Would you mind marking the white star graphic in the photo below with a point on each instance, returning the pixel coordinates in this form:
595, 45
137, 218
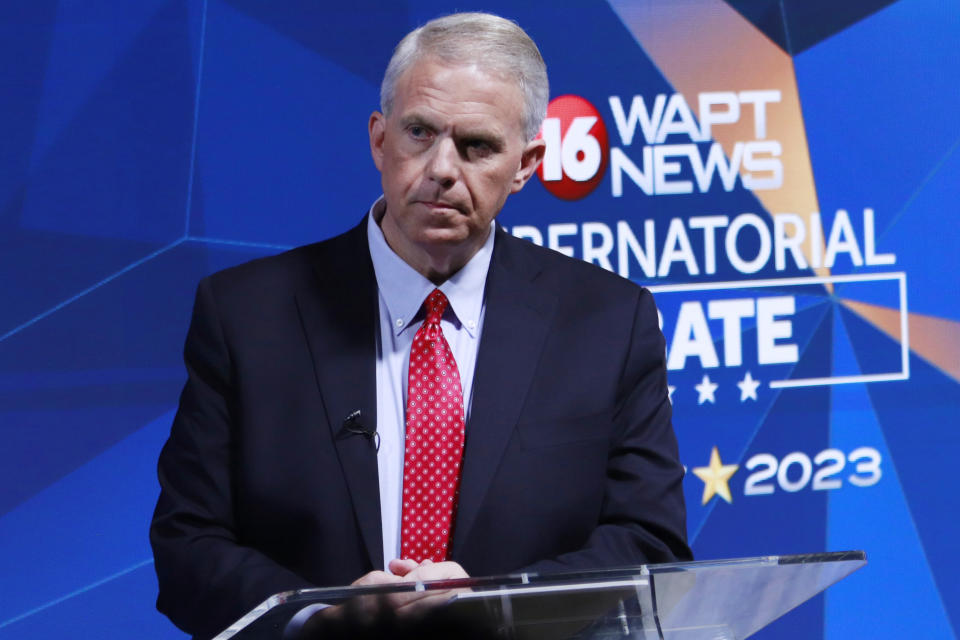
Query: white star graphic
706, 389
670, 390
748, 388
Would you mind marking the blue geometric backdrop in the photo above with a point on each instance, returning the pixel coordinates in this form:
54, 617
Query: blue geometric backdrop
149, 143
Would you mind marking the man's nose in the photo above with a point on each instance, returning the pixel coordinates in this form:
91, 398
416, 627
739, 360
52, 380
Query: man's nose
444, 162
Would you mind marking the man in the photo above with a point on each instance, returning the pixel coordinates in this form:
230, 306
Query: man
312, 448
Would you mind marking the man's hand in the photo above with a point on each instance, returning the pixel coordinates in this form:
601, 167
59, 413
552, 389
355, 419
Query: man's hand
419, 602
406, 571
410, 571
381, 615
376, 578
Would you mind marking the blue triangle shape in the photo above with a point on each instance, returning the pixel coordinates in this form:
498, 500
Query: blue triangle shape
877, 519
89, 525
844, 357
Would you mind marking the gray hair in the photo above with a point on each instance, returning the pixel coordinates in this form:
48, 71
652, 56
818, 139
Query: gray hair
493, 43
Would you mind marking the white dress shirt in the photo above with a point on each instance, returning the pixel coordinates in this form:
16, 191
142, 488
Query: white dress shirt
402, 291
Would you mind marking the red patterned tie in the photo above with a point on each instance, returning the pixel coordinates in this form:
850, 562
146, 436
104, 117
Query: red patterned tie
434, 441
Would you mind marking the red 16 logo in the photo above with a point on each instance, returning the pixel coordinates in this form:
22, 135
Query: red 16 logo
577, 148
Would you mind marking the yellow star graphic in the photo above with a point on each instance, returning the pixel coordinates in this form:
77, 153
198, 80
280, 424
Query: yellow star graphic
715, 477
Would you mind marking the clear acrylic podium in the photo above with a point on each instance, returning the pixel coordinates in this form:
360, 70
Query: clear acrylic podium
709, 600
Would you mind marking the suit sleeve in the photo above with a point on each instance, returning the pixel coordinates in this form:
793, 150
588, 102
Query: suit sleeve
207, 577
643, 517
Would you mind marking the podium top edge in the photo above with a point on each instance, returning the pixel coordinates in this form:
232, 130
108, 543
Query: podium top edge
853, 556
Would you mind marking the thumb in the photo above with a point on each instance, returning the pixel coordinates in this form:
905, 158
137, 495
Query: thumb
401, 567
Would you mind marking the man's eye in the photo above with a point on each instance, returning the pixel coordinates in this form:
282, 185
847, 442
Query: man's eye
418, 132
479, 148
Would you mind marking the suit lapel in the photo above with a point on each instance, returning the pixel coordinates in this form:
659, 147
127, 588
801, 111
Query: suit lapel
517, 317
340, 319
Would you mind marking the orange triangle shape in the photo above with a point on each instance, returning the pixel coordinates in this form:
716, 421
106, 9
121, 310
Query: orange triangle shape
936, 340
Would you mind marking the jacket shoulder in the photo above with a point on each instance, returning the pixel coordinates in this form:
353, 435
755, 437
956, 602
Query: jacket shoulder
288, 271
567, 275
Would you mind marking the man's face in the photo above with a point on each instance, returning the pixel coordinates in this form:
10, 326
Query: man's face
449, 154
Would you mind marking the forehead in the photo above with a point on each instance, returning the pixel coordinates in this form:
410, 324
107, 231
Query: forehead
456, 95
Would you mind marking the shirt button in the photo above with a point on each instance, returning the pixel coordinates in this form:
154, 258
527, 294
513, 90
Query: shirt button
472, 324
399, 322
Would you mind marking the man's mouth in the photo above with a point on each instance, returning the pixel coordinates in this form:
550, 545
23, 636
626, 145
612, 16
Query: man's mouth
440, 206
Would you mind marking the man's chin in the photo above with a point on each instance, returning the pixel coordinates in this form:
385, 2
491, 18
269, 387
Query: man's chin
444, 237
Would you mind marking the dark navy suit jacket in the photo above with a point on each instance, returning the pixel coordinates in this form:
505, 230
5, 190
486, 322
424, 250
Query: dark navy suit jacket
570, 460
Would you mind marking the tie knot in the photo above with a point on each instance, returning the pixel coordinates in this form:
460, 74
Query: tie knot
436, 304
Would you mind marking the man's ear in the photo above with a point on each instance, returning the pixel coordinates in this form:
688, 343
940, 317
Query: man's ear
529, 161
377, 128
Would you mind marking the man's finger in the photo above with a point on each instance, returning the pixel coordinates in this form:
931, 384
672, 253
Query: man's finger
436, 571
401, 567
375, 577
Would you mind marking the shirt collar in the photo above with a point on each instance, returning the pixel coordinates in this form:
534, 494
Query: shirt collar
404, 289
